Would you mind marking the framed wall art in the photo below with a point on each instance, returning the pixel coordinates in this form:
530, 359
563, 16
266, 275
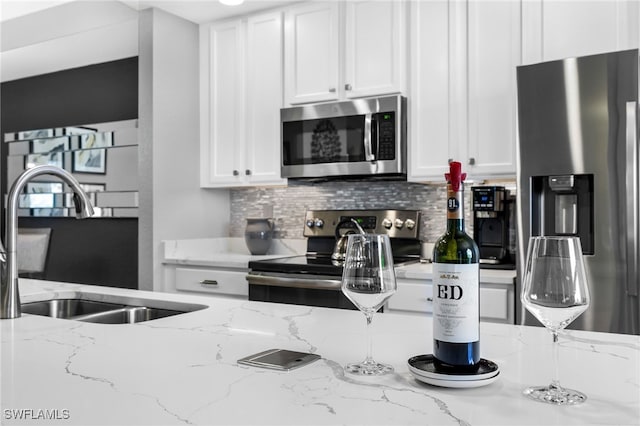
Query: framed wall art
47, 151
91, 157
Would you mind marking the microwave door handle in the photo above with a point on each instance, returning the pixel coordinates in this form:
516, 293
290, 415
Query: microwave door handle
375, 137
368, 149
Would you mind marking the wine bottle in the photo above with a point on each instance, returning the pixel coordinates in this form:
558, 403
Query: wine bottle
456, 285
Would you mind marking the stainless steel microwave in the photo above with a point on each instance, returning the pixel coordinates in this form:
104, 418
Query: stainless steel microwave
357, 138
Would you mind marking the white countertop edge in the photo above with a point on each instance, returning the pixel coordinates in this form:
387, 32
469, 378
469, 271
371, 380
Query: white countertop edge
226, 252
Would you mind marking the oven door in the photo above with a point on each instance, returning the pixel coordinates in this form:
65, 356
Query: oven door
298, 289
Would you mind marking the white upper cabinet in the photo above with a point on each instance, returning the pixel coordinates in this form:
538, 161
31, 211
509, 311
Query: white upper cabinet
493, 53
241, 97
375, 49
462, 104
337, 50
312, 52
557, 29
462, 70
464, 54
220, 102
428, 101
264, 99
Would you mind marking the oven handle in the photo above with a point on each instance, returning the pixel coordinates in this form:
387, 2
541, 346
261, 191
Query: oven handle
320, 284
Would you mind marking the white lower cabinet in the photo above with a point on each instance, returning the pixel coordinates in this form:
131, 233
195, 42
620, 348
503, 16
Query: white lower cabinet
412, 296
416, 296
219, 282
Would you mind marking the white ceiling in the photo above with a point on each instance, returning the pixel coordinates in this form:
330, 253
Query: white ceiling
197, 11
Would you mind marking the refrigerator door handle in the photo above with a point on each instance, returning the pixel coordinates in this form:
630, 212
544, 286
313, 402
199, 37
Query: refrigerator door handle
633, 232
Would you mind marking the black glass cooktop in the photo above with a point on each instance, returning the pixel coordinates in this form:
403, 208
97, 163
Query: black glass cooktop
308, 264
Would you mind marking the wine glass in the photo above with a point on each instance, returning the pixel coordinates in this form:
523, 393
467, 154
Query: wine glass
368, 280
555, 291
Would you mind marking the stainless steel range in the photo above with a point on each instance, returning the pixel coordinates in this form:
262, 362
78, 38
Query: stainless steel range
314, 279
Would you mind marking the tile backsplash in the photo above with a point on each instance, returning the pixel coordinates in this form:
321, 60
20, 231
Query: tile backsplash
289, 204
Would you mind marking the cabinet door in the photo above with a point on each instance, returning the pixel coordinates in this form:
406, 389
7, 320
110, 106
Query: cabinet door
495, 306
428, 104
221, 104
264, 98
493, 54
375, 47
312, 52
557, 29
463, 103
416, 296
412, 296
212, 281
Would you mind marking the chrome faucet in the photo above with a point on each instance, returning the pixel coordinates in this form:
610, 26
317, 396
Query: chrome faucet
9, 295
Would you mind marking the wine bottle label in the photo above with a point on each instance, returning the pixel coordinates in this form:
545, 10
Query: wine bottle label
456, 307
454, 203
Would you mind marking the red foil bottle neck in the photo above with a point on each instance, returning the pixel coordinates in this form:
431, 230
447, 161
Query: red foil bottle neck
455, 176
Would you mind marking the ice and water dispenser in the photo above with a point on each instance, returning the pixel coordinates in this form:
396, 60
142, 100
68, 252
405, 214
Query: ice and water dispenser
563, 205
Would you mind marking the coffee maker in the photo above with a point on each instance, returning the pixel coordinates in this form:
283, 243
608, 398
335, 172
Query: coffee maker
493, 226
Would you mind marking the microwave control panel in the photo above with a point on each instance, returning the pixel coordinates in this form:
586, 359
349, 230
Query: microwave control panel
385, 124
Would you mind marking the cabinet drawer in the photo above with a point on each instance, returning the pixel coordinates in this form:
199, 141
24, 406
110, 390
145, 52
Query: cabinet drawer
414, 297
418, 297
494, 303
212, 281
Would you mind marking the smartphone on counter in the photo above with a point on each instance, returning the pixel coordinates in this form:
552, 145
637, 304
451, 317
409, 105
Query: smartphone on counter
279, 359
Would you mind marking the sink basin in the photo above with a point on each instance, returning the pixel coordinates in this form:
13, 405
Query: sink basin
108, 309
128, 315
67, 308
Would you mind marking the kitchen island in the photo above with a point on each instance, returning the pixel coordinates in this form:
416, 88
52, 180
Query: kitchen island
183, 370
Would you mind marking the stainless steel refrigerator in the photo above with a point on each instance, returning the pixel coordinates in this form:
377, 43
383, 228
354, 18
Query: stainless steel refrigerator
578, 175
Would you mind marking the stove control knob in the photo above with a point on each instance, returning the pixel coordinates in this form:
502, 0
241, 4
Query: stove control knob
399, 223
410, 223
387, 223
319, 223
310, 223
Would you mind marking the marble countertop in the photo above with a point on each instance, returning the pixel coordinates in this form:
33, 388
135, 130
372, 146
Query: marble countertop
225, 252
183, 369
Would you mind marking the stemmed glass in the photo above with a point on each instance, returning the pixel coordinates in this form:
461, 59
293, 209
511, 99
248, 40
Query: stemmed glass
555, 291
368, 280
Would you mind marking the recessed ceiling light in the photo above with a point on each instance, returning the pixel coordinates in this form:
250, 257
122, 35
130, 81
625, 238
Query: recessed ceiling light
231, 2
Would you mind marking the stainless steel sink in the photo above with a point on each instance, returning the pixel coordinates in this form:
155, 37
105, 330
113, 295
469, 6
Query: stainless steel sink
128, 315
67, 308
108, 309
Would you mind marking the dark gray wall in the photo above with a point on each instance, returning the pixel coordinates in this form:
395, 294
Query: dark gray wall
95, 251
